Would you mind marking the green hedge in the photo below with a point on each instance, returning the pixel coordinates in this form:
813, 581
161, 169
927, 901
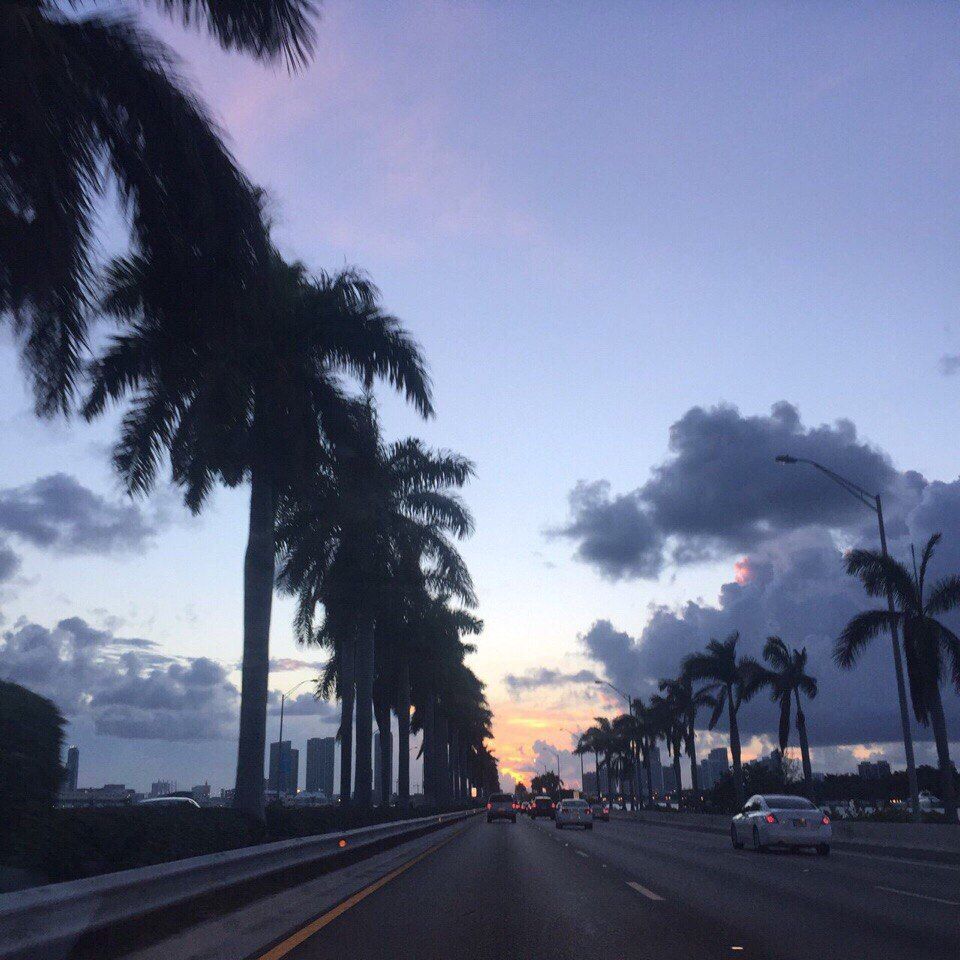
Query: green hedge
69, 844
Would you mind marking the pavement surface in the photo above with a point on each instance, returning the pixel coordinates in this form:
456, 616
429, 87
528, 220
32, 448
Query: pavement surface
623, 890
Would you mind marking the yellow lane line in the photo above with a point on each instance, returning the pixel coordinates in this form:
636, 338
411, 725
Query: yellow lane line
304, 933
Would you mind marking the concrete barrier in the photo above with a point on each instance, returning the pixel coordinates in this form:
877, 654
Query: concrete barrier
939, 842
34, 921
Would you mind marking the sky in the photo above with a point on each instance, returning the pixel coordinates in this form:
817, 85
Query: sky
644, 246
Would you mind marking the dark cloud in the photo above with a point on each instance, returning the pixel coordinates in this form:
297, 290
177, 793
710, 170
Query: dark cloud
545, 677
720, 491
304, 705
59, 513
949, 364
796, 589
125, 687
9, 563
614, 534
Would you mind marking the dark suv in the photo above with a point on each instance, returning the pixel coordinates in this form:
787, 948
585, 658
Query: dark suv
501, 806
542, 806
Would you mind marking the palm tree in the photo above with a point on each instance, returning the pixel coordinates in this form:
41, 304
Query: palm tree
91, 96
927, 641
352, 544
735, 680
787, 679
671, 720
604, 742
256, 403
688, 701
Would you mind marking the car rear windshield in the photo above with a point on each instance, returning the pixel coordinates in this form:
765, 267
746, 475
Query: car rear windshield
501, 798
789, 803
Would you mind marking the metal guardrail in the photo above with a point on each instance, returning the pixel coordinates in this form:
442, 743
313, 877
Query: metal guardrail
34, 920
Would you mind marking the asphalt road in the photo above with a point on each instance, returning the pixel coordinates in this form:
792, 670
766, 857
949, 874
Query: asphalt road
628, 890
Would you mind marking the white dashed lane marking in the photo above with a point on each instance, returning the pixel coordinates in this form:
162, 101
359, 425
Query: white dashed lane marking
649, 894
580, 853
919, 896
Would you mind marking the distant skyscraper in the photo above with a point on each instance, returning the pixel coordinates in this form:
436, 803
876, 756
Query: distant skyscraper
656, 773
73, 768
669, 780
160, 788
283, 755
320, 759
712, 769
873, 771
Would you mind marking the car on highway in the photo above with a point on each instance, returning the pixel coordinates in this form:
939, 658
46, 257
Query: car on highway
601, 810
501, 806
542, 806
574, 813
182, 803
772, 820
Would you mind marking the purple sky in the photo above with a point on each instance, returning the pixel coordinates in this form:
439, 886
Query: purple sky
594, 217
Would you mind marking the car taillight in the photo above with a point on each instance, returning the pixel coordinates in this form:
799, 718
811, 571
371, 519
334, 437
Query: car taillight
825, 821
553, 806
489, 806
606, 809
770, 818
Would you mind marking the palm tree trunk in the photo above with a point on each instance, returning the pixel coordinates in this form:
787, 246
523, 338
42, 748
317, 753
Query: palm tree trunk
429, 749
735, 751
258, 576
363, 783
692, 754
381, 711
346, 685
403, 737
676, 772
804, 748
939, 724
443, 763
648, 769
596, 767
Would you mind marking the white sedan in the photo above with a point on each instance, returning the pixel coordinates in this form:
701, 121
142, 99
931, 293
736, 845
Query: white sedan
771, 820
574, 813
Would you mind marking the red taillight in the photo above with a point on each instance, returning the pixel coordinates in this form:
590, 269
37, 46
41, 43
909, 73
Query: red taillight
825, 821
489, 806
606, 809
553, 806
770, 818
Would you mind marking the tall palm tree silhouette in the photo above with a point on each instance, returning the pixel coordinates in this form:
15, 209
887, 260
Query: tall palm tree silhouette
787, 679
930, 646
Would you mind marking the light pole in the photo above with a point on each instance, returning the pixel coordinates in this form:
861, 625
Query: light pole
872, 502
283, 698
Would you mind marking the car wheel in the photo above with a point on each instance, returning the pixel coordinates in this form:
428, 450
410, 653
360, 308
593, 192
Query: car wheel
588, 826
559, 826
757, 845
737, 844
513, 819
823, 849
489, 819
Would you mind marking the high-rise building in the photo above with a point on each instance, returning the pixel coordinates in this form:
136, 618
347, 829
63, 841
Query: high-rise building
73, 767
320, 760
160, 788
873, 771
656, 773
669, 780
284, 768
712, 768
201, 793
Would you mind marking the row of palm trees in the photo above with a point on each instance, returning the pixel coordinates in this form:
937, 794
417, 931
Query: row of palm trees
236, 367
721, 680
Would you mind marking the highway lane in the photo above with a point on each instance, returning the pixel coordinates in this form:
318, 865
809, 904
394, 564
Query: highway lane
502, 891
628, 890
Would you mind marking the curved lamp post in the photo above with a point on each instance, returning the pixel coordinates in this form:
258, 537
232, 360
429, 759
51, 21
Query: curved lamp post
283, 698
872, 502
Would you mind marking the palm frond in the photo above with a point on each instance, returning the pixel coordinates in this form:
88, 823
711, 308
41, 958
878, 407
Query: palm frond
861, 629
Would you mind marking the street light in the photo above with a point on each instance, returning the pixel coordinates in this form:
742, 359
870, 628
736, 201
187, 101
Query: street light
872, 502
283, 698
